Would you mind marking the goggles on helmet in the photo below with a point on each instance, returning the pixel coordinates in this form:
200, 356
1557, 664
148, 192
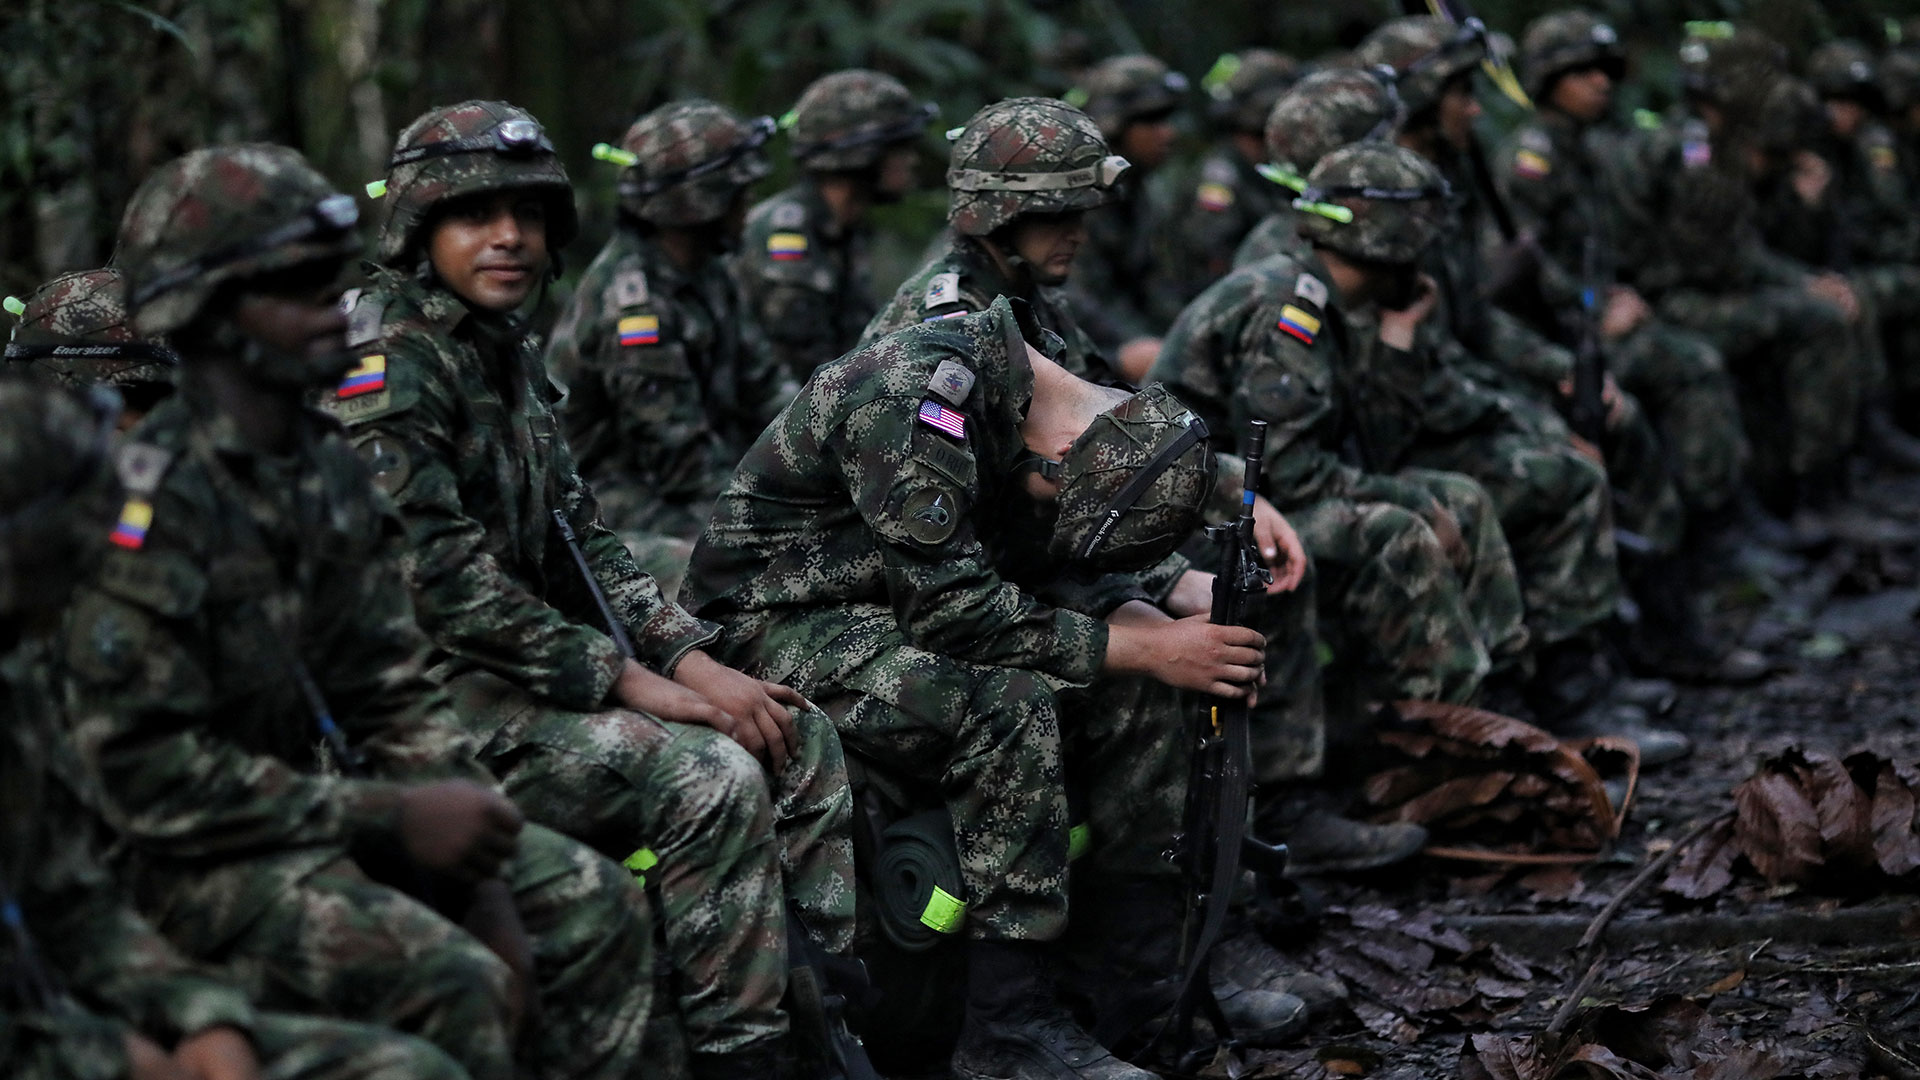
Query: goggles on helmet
905, 129
330, 218
759, 130
1104, 173
512, 138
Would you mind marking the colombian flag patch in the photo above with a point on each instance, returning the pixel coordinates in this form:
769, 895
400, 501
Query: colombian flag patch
1529, 165
371, 375
131, 532
640, 330
1213, 197
787, 246
1299, 323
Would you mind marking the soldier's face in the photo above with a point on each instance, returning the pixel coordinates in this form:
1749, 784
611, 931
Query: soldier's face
1458, 110
1048, 243
1844, 116
1584, 94
1148, 143
491, 248
897, 170
296, 313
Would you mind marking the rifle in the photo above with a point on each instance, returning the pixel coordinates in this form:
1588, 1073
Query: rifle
818, 983
1213, 836
34, 984
1588, 414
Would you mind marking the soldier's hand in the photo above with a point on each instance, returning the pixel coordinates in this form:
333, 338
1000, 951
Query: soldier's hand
1835, 290
1810, 175
1398, 325
459, 828
763, 711
146, 1060
495, 921
1137, 358
1625, 312
1446, 529
1279, 546
1194, 654
219, 1053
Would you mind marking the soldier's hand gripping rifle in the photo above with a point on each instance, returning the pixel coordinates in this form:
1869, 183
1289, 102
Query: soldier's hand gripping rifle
817, 982
1213, 831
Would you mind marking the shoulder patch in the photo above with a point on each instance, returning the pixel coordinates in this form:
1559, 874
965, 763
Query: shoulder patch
364, 394
367, 377
941, 418
1311, 289
141, 467
788, 215
1299, 323
951, 381
787, 246
629, 288
1536, 140
943, 289
1531, 164
386, 457
1218, 170
136, 516
1213, 197
363, 317
933, 513
639, 330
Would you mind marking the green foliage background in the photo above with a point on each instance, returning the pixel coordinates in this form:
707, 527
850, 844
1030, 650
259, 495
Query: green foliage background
95, 93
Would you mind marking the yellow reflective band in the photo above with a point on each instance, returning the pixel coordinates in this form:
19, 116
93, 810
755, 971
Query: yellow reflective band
1076, 97
944, 911
1079, 841
1330, 211
1214, 82
14, 305
1709, 28
791, 118
639, 863
1282, 175
610, 153
377, 189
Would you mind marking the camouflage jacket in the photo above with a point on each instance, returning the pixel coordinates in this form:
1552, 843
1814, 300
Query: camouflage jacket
808, 279
885, 483
1557, 187
1276, 234
79, 919
1219, 210
462, 434
1272, 342
961, 279
668, 379
1118, 291
1875, 205
234, 574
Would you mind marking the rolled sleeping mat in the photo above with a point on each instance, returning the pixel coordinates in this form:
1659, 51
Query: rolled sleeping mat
916, 882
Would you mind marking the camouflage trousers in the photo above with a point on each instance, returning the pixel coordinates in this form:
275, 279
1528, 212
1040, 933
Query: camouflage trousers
1795, 365
696, 816
1682, 382
1408, 614
659, 533
1288, 724
338, 942
1555, 508
81, 1046
997, 745
1890, 300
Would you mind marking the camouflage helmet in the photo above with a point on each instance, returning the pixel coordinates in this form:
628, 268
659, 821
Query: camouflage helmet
1322, 113
74, 328
56, 490
1725, 65
1844, 69
1567, 41
1374, 201
465, 149
691, 160
1425, 52
1122, 89
1791, 118
1900, 79
1132, 485
1028, 156
1242, 87
222, 215
849, 120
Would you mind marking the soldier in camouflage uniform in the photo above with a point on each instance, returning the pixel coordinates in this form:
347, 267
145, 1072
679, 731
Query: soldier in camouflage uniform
1559, 181
1320, 114
1689, 238
805, 262
250, 611
1229, 196
881, 548
668, 377
73, 330
1121, 289
625, 748
97, 992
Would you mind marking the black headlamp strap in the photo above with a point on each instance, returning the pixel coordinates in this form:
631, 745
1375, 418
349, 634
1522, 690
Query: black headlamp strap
1137, 485
759, 130
103, 350
512, 137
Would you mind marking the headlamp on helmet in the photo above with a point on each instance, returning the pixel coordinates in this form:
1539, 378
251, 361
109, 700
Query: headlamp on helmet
510, 138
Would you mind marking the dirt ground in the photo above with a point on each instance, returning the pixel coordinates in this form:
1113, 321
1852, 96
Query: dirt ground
1810, 974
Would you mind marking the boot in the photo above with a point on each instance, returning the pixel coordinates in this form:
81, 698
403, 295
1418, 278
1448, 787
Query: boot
1658, 745
1249, 961
1259, 1018
1016, 1028
1572, 695
1322, 843
1886, 443
1672, 640
764, 1060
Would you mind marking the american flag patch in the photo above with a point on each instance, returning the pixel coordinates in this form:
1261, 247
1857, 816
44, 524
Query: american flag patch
947, 420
